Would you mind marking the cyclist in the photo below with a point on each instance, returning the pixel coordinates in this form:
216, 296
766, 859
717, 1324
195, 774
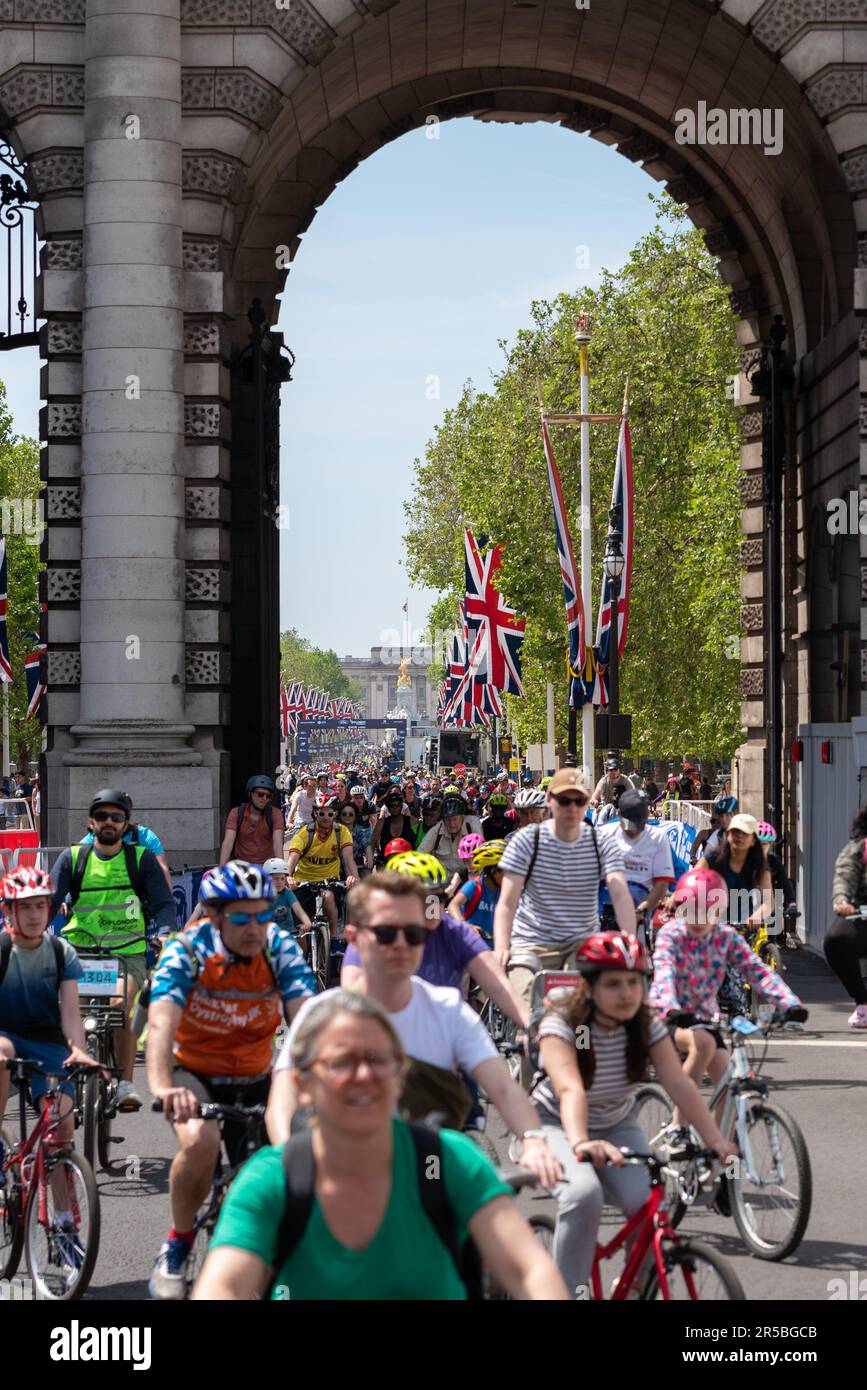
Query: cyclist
476, 900
707, 840
741, 861
316, 854
113, 887
613, 777
218, 995
781, 883
692, 956
363, 808
393, 823
254, 831
495, 826
140, 835
846, 938
531, 808
40, 1018
361, 836
301, 806
443, 840
646, 852
440, 1033
286, 911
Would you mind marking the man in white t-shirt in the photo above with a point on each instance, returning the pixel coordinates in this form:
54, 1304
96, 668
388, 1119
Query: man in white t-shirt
435, 1025
647, 860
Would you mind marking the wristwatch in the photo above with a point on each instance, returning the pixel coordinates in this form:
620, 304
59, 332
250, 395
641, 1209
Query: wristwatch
533, 1134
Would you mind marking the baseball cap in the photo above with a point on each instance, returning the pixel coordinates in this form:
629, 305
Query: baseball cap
633, 806
568, 779
748, 824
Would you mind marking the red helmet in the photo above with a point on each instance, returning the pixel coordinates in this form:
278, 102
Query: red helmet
398, 846
699, 890
608, 950
26, 883
326, 800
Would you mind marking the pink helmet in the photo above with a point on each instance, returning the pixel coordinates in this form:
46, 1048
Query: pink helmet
766, 832
26, 883
469, 844
699, 890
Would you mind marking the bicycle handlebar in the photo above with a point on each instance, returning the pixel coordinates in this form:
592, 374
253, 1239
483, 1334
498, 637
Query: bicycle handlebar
119, 940
28, 1066
213, 1110
684, 1018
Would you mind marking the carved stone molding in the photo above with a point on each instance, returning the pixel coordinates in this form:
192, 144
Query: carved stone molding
201, 339
585, 117
52, 173
63, 503
722, 241
203, 584
205, 667
51, 11
752, 681
687, 188
752, 488
64, 419
211, 173
751, 424
862, 337
783, 18
64, 253
25, 89
230, 89
201, 255
298, 25
744, 302
836, 88
63, 585
63, 668
752, 616
855, 173
752, 552
215, 11
202, 503
864, 667
202, 421
642, 147
64, 337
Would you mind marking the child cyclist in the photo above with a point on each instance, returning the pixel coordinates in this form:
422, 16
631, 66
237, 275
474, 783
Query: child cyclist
690, 959
476, 900
594, 1049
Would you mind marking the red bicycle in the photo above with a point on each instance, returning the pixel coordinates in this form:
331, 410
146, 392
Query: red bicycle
682, 1269
49, 1204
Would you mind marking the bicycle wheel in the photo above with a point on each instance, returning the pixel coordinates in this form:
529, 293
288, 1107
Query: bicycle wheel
105, 1122
320, 955
652, 1112
772, 1212
61, 1263
11, 1226
89, 1113
202, 1232
695, 1271
488, 1148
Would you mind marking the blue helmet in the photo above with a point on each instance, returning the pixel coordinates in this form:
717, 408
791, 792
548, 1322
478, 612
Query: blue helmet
725, 805
236, 881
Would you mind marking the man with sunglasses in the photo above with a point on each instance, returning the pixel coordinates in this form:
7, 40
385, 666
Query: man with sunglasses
316, 854
254, 832
114, 888
218, 995
549, 900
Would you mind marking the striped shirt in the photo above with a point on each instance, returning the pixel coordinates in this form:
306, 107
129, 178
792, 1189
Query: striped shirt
561, 901
612, 1095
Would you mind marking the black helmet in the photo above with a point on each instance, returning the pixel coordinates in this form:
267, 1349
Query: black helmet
110, 796
261, 780
633, 806
454, 806
612, 761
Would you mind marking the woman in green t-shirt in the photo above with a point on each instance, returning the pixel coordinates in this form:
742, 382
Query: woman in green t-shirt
368, 1236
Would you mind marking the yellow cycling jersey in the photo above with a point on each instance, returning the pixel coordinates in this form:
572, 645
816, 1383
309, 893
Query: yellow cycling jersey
322, 860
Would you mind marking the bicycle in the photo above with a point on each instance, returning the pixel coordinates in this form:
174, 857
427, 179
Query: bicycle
319, 934
253, 1119
769, 954
34, 1168
762, 1185
102, 995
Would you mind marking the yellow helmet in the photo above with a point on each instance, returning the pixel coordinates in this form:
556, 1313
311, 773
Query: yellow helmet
425, 867
488, 856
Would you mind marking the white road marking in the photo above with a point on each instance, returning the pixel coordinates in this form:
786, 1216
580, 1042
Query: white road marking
813, 1042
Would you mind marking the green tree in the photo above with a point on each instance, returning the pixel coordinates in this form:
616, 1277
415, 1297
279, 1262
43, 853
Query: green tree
301, 661
663, 321
20, 519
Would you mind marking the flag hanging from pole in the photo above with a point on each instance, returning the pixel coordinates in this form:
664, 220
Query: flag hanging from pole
32, 674
580, 661
485, 607
622, 498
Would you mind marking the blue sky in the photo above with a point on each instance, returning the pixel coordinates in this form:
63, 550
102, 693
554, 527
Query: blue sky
417, 264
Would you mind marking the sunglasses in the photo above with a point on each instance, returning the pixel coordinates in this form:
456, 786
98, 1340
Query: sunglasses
571, 800
329, 815
116, 817
241, 919
386, 936
345, 1064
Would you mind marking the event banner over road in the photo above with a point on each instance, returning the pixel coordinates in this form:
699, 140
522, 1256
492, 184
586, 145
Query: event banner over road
309, 731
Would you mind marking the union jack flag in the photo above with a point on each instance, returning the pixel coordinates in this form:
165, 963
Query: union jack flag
580, 679
622, 499
5, 668
32, 674
486, 607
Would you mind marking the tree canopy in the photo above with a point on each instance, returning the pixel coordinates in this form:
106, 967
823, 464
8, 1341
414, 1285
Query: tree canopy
20, 519
301, 661
664, 322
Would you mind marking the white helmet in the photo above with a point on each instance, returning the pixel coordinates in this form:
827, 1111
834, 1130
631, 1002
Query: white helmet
275, 866
530, 798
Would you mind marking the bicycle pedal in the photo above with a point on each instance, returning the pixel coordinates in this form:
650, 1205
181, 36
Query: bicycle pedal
116, 1139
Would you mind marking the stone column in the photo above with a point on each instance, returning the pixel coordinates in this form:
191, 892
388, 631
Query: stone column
131, 728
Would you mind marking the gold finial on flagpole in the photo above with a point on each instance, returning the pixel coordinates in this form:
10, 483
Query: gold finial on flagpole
625, 411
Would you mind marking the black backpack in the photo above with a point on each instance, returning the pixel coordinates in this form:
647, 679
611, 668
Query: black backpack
299, 1175
133, 873
6, 944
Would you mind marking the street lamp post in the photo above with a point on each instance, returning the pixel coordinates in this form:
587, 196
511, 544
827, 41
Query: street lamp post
615, 563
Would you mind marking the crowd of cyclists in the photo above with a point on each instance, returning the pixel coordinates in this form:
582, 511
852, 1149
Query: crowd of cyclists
447, 898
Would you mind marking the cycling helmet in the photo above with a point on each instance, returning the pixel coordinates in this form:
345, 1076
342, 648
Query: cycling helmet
700, 889
324, 801
397, 846
608, 950
239, 880
454, 806
452, 789
611, 762
275, 866
767, 833
469, 844
545, 783
207, 892
23, 883
498, 799
431, 803
257, 783
110, 796
488, 856
530, 798
725, 805
357, 791
425, 867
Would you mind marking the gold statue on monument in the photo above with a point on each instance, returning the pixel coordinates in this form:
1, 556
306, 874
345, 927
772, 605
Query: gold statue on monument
404, 681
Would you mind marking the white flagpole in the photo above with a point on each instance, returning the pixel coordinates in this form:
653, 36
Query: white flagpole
5, 728
588, 738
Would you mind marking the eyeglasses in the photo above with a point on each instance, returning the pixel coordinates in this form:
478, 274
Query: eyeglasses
571, 800
329, 815
343, 1065
261, 791
347, 816
240, 919
116, 817
386, 936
